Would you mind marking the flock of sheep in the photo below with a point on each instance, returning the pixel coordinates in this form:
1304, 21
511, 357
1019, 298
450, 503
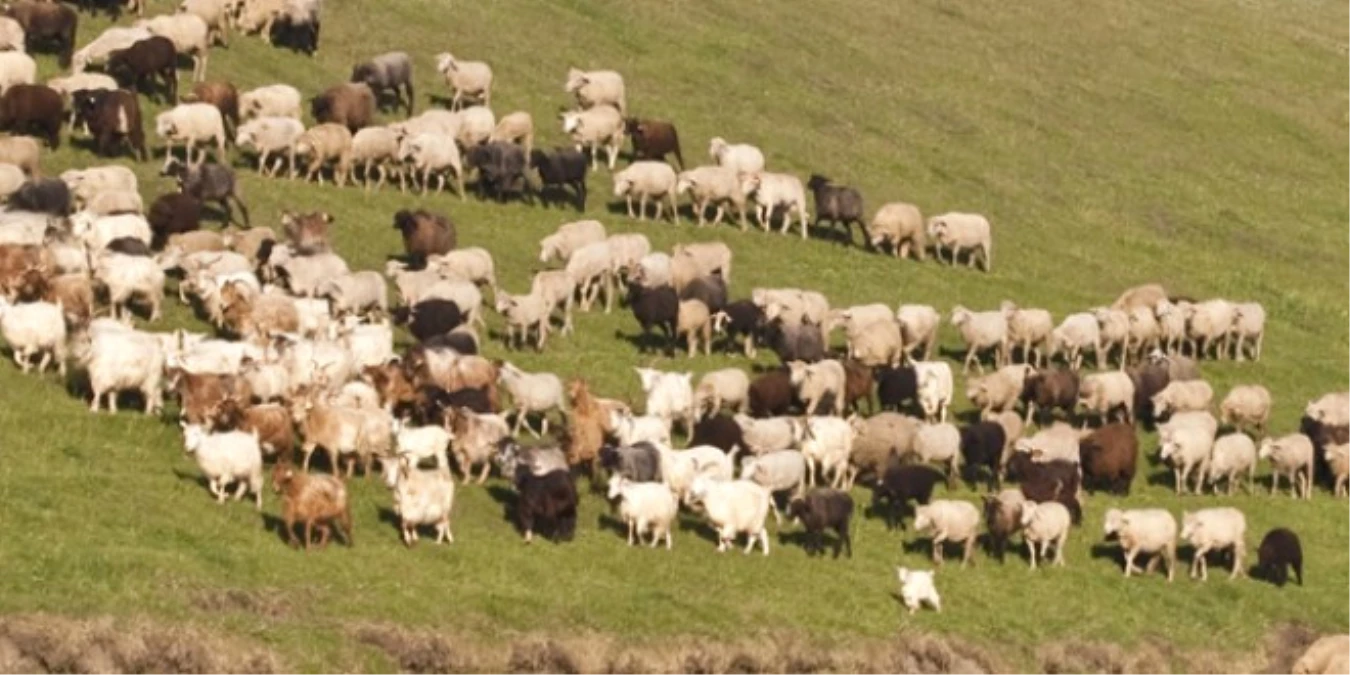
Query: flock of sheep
304, 357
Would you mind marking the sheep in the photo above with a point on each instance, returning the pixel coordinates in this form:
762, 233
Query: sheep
1003, 518
469, 80
314, 499
413, 444
1280, 549
645, 507
473, 264
815, 382
476, 436
1331, 410
273, 100
120, 360
823, 508
421, 498
959, 232
648, 179
1338, 459
1191, 395
356, 293
374, 149
710, 258
192, 123
734, 507
33, 109
128, 276
16, 68
878, 343
712, 185
728, 386
1104, 393
34, 328
270, 136
531, 392
1151, 531
109, 41
828, 442
190, 35
591, 269
391, 71
433, 153
1249, 330
321, 144
980, 331
570, 237
596, 128
1247, 404
1045, 523
917, 588
773, 190
939, 444
1030, 329
1232, 454
630, 429
1109, 456
553, 289
1000, 390
777, 471
901, 226
670, 396
106, 203
225, 458
215, 13
1202, 421
741, 158
933, 380
558, 170
1215, 529
305, 274
880, 438
1171, 326
919, 329
741, 319
949, 521
1074, 335
11, 35
1290, 455
762, 436
1210, 324
96, 232
1186, 449
1327, 655
21, 151
983, 444
596, 88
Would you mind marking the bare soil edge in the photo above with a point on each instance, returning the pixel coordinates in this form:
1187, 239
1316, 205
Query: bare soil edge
45, 643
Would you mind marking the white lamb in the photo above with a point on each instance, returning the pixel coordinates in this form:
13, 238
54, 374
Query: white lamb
734, 507
645, 507
225, 458
917, 588
32, 328
1044, 524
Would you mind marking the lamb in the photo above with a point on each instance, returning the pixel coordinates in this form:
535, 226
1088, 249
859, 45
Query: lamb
128, 277
815, 382
1280, 549
1290, 455
190, 35
1186, 449
1151, 531
917, 588
321, 144
899, 225
949, 521
933, 380
741, 158
645, 507
734, 507
469, 80
959, 232
570, 237
1045, 523
190, 124
940, 444
827, 442
422, 498
1191, 395
1074, 335
1104, 393
119, 360
771, 191
728, 386
1249, 330
433, 153
919, 328
596, 128
313, 499
1246, 405
712, 185
531, 392
596, 88
980, 331
821, 509
273, 100
1232, 454
1030, 329
34, 328
1215, 529
648, 179
670, 396
225, 458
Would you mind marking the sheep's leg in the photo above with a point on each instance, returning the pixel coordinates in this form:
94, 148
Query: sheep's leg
1129, 562
1274, 482
1031, 549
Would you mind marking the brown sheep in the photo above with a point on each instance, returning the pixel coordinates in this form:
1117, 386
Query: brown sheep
223, 96
424, 234
1048, 389
1109, 456
34, 110
312, 499
586, 428
1003, 518
771, 394
307, 232
47, 23
858, 385
351, 104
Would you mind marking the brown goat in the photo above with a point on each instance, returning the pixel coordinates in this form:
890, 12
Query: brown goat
15, 261
452, 371
200, 394
75, 293
392, 383
272, 423
250, 314
315, 500
307, 232
424, 234
586, 427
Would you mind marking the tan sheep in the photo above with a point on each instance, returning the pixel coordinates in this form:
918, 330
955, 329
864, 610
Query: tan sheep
321, 144
1247, 404
694, 323
899, 225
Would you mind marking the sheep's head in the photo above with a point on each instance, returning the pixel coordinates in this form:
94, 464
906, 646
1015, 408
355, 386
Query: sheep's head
193, 435
617, 484
750, 182
283, 475
959, 315
716, 148
1161, 403
797, 372
571, 122
923, 518
648, 377
1113, 523
1266, 449
576, 79
684, 183
622, 185
1191, 525
1169, 448
445, 62
1028, 513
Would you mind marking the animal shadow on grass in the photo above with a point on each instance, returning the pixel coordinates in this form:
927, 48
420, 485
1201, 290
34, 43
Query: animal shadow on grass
648, 343
274, 523
801, 539
1164, 479
607, 521
696, 525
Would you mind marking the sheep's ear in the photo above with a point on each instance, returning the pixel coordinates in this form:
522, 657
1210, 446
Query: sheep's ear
329, 218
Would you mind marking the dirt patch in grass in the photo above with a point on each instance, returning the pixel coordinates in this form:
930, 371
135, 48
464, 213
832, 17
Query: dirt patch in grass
49, 644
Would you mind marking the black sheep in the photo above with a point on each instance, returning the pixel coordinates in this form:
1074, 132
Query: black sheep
136, 67
658, 307
822, 509
43, 195
982, 446
896, 386
743, 320
797, 342
175, 213
1055, 481
1280, 549
899, 485
389, 72
719, 431
430, 318
640, 462
711, 290
209, 182
841, 205
562, 169
548, 500
501, 170
771, 394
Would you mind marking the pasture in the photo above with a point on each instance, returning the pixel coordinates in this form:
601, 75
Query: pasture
1199, 145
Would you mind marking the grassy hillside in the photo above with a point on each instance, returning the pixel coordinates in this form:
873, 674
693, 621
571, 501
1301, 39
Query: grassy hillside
1200, 145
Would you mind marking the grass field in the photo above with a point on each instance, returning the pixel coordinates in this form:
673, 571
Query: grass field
1200, 145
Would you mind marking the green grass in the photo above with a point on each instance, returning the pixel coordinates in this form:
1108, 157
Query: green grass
1200, 145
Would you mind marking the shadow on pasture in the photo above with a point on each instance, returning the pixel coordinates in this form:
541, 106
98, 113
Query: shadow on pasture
612, 523
648, 343
196, 478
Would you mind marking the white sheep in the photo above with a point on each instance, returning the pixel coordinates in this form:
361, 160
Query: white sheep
432, 153
273, 100
917, 588
715, 186
531, 392
919, 326
827, 442
654, 270
596, 89
11, 179
959, 232
518, 128
227, 457
741, 158
1338, 457
771, 191
726, 387
680, 468
419, 443
645, 507
570, 237
190, 36
1076, 334
596, 128
96, 231
627, 250
630, 429
1210, 324
369, 344
816, 381
11, 35
1183, 396
1030, 329
734, 507
374, 149
670, 396
1000, 390
1055, 443
110, 40
1232, 454
1246, 405
473, 264
476, 124
16, 68
949, 520
467, 79
422, 498
934, 383
1187, 449
1151, 531
85, 184
555, 289
762, 436
1045, 523
647, 179
1249, 330
708, 257
269, 136
1104, 393
321, 144
1292, 456
1215, 529
980, 331
591, 268
777, 471
105, 203
190, 124
523, 313
356, 293
213, 12
1171, 326
1201, 420
1331, 409
32, 328
939, 444
899, 225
